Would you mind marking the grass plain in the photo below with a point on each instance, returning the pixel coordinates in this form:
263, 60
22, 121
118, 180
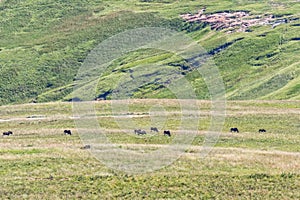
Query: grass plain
39, 161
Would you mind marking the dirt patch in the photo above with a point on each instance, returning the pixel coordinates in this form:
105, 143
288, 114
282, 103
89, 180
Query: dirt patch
239, 21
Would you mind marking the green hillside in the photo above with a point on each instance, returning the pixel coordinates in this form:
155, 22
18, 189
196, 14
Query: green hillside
43, 43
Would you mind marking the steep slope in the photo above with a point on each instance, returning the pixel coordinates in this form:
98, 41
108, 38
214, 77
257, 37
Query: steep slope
43, 43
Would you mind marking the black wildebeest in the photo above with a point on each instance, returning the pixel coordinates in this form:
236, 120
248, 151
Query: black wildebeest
154, 129
8, 133
262, 130
67, 132
139, 132
234, 130
86, 147
168, 133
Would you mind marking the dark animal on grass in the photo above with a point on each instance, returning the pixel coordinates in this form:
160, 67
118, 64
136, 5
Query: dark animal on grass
139, 132
262, 130
168, 133
7, 133
86, 147
154, 129
235, 130
67, 132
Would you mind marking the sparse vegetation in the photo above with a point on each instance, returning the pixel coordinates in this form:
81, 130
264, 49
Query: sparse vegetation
39, 161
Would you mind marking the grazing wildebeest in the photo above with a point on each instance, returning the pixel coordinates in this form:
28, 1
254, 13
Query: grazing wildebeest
154, 129
67, 132
262, 130
8, 133
168, 133
86, 147
139, 132
234, 130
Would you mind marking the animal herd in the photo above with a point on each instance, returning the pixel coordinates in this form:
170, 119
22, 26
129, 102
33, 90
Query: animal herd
143, 132
7, 133
236, 130
154, 129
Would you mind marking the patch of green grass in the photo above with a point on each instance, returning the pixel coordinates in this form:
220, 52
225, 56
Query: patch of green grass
22, 152
54, 42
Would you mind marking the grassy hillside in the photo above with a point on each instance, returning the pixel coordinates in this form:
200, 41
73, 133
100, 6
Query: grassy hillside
43, 44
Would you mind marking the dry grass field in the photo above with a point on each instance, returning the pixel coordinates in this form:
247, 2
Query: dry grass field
39, 161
